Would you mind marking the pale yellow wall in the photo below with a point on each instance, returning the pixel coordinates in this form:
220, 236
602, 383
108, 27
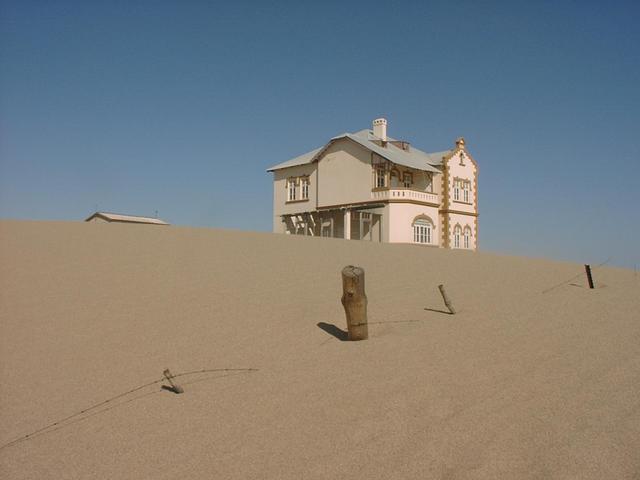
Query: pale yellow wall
344, 174
400, 221
280, 204
466, 172
463, 221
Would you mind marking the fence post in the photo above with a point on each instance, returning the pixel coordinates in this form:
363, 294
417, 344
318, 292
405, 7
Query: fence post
447, 300
174, 386
587, 268
354, 301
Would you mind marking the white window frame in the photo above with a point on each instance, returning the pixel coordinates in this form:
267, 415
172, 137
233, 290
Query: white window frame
456, 190
457, 233
423, 232
304, 188
291, 189
407, 179
381, 176
467, 236
466, 190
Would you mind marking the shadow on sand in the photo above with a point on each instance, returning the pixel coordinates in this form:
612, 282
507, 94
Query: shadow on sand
335, 331
438, 311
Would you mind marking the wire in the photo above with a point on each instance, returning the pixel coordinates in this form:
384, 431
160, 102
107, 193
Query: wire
573, 278
120, 395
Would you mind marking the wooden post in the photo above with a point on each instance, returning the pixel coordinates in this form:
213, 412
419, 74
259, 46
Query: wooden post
447, 300
354, 301
174, 386
587, 268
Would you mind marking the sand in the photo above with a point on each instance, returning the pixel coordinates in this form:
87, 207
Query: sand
518, 384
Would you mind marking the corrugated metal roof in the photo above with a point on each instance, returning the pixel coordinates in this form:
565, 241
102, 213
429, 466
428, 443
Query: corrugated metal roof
118, 217
413, 158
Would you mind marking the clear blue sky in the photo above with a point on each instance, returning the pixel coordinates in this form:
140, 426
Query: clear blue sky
179, 106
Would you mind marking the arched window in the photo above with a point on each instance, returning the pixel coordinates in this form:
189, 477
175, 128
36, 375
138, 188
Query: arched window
457, 233
422, 231
467, 236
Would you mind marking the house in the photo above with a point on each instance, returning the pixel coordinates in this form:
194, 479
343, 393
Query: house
106, 217
368, 186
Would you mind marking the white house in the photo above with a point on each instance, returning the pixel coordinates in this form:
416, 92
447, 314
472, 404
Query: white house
368, 186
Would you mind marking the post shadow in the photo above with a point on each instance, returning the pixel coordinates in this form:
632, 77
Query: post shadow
438, 311
335, 331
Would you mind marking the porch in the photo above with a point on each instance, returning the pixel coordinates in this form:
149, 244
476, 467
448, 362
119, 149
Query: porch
347, 223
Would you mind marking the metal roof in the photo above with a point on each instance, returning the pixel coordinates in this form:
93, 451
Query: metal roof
413, 158
118, 217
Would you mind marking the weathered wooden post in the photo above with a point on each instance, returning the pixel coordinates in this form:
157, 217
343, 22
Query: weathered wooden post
354, 301
447, 300
174, 386
587, 268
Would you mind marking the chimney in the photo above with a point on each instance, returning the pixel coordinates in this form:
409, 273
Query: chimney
380, 128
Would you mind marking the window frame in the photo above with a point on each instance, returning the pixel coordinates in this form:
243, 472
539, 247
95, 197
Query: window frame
304, 188
423, 231
291, 189
405, 176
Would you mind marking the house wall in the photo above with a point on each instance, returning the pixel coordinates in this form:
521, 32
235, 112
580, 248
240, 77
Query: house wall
463, 221
400, 219
466, 172
449, 219
280, 204
344, 174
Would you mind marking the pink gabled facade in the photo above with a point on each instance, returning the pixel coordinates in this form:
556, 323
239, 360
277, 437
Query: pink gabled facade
368, 186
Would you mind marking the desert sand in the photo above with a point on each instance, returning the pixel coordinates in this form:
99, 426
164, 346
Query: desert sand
536, 376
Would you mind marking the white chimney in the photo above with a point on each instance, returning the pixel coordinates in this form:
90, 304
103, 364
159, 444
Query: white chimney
380, 128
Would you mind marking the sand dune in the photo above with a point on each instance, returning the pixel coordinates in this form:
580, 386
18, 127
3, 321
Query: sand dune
518, 384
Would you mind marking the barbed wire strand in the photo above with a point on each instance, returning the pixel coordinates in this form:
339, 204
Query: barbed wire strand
573, 278
120, 395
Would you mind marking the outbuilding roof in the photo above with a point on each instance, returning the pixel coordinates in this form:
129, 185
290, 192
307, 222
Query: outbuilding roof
412, 157
119, 217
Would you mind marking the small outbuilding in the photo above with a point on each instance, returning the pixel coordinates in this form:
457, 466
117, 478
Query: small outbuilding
107, 217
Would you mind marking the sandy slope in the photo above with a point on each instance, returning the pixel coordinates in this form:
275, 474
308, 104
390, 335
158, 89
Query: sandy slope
519, 384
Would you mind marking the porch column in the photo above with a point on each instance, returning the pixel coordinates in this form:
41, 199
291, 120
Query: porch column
347, 224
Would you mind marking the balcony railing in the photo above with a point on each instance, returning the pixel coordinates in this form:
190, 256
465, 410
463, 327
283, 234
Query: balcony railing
404, 194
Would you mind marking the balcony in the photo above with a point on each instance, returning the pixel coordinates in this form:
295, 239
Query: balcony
404, 194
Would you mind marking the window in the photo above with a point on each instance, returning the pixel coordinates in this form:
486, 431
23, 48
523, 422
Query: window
457, 232
465, 186
462, 158
467, 236
304, 188
429, 180
381, 181
456, 190
407, 179
291, 189
422, 231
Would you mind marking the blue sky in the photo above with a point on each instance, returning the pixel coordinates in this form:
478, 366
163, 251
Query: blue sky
180, 106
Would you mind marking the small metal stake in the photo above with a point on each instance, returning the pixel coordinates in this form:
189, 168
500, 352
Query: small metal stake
174, 386
587, 269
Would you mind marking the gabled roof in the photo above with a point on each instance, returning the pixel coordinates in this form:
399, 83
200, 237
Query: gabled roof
413, 158
118, 217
